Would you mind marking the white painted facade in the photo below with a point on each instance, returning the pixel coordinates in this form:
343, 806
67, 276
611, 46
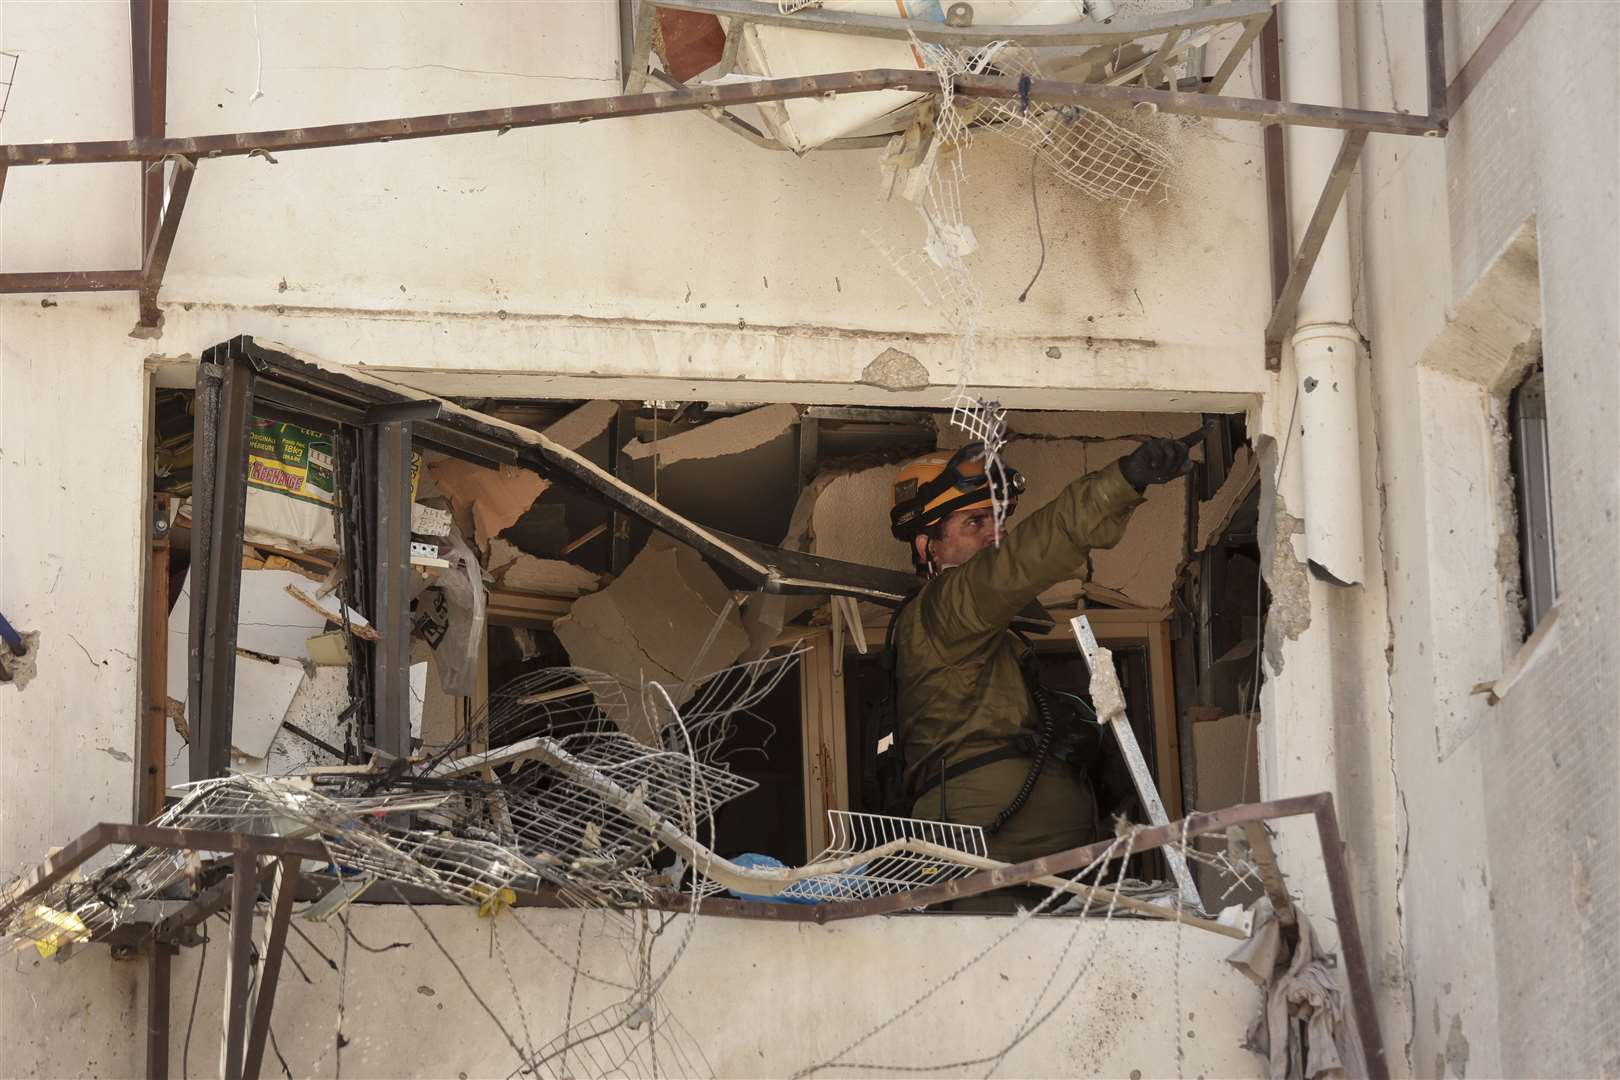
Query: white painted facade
662, 257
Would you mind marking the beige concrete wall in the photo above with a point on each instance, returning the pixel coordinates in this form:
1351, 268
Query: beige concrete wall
1507, 815
72, 556
760, 999
653, 249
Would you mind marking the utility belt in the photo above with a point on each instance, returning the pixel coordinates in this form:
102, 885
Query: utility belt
1067, 748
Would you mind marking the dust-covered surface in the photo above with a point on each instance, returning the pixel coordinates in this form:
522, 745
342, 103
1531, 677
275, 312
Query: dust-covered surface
1289, 613
19, 670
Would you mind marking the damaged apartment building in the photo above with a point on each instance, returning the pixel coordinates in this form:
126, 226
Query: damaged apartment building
448, 602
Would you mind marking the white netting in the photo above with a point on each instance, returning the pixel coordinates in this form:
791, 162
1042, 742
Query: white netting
1082, 147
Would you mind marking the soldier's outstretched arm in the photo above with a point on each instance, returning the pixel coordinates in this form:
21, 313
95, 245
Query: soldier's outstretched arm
981, 597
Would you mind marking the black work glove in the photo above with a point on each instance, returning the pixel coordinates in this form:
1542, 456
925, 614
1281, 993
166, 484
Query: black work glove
1156, 461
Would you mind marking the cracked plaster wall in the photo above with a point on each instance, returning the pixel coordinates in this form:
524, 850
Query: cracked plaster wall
1507, 836
72, 538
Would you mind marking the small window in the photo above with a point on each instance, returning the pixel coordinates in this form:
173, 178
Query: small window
1532, 478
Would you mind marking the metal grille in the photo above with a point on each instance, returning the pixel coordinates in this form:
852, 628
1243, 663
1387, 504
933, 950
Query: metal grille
897, 855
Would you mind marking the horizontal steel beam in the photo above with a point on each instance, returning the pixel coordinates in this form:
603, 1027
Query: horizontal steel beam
1120, 30
1046, 91
242, 144
1181, 103
53, 281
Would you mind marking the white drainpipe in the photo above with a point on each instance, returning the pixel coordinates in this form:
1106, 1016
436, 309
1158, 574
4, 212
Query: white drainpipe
1327, 348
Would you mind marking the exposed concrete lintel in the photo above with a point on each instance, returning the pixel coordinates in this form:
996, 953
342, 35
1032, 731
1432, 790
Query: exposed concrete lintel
180, 373
562, 357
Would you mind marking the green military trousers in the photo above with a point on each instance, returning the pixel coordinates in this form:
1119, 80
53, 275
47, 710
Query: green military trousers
1061, 812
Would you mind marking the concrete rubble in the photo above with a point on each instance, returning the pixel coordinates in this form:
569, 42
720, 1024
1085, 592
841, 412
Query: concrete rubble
718, 438
653, 623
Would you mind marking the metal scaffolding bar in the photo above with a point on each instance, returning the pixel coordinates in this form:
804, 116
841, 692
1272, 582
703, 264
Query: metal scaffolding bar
1434, 56
1310, 245
52, 281
1213, 106
162, 242
158, 964
275, 946
1276, 161
149, 85
238, 964
1043, 91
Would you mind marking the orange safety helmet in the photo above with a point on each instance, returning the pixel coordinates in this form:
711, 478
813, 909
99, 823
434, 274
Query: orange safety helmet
935, 486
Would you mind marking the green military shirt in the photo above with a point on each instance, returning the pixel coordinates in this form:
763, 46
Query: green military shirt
961, 690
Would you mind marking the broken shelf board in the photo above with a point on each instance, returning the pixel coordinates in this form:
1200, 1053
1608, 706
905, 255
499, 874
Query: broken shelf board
335, 612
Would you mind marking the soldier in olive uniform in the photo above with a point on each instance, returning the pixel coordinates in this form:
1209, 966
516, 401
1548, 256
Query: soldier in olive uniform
966, 716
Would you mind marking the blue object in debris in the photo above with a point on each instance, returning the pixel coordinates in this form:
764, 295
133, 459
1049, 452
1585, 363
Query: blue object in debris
811, 891
13, 640
751, 861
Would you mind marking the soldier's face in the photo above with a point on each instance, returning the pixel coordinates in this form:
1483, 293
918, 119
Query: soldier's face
963, 535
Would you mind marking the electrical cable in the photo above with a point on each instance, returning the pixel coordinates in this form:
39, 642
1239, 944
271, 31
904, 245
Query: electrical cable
279, 1057
1043, 747
371, 948
1035, 201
